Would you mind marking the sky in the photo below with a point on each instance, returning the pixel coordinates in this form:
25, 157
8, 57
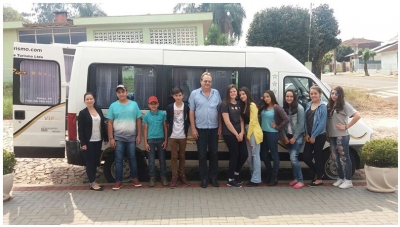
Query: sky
374, 20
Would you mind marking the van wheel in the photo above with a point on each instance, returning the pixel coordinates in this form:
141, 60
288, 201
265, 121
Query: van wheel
109, 168
330, 171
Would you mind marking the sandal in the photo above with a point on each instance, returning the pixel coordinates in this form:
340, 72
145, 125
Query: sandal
313, 184
298, 185
96, 189
293, 182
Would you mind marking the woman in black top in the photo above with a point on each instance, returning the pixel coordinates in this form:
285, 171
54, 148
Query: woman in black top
92, 132
233, 133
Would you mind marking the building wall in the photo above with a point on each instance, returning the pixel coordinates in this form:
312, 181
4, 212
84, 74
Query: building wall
9, 37
389, 62
91, 29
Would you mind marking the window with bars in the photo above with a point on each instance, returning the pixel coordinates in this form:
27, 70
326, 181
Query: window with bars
176, 36
134, 36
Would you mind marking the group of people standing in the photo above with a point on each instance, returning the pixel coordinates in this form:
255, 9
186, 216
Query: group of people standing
250, 132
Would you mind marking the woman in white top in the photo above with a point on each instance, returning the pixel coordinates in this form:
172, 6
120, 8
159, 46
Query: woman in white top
92, 131
337, 127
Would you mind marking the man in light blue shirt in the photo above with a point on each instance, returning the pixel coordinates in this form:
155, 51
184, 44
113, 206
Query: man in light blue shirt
204, 103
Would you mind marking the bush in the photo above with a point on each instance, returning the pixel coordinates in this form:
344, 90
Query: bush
7, 100
8, 162
380, 153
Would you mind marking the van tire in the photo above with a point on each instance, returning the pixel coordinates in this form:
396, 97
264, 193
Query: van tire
330, 172
109, 172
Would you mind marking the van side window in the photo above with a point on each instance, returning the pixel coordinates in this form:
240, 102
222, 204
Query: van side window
188, 79
301, 87
68, 60
140, 82
41, 84
106, 82
260, 80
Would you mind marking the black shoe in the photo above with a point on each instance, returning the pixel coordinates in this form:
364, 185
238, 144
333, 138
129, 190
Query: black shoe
214, 183
234, 184
237, 179
203, 184
313, 184
251, 184
273, 181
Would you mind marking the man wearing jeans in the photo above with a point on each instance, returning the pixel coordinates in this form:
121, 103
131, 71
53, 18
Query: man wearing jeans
124, 130
204, 121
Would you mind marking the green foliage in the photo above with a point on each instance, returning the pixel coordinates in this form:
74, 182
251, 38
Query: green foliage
342, 51
44, 11
228, 16
9, 162
366, 54
380, 153
286, 27
215, 37
7, 100
324, 30
327, 59
10, 14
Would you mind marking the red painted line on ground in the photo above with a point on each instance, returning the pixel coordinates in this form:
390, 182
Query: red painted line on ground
130, 186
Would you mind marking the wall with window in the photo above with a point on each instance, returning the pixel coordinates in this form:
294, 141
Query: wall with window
52, 35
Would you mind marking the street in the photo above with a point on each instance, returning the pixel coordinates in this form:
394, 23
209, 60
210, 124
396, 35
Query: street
385, 87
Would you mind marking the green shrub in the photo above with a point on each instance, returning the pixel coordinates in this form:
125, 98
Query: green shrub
8, 162
7, 100
380, 153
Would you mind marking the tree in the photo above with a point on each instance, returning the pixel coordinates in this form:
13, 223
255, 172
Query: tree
324, 30
10, 14
286, 27
215, 37
327, 59
228, 16
366, 54
342, 51
44, 11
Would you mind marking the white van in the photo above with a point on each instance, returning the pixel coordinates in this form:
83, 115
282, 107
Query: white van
148, 70
41, 73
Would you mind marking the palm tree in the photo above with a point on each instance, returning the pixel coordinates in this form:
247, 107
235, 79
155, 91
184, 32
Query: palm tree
228, 16
366, 54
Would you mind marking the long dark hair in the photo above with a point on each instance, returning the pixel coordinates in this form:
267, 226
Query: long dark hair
339, 102
227, 98
293, 106
263, 105
249, 100
88, 93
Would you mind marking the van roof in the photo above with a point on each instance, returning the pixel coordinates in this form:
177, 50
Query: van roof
100, 44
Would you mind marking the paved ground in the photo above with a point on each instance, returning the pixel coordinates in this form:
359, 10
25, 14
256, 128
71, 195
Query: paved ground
193, 205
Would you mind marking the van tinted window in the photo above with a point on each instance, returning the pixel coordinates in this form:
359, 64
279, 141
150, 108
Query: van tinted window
140, 82
260, 79
41, 84
301, 86
188, 79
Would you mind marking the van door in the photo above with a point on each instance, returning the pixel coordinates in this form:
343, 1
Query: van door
39, 101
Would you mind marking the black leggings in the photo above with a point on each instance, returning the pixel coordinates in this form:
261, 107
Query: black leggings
314, 151
237, 154
92, 156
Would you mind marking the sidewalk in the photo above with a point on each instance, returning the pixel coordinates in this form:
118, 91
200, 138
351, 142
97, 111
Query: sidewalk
358, 74
282, 204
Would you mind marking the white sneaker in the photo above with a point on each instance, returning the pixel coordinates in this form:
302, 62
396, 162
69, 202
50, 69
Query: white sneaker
346, 184
338, 182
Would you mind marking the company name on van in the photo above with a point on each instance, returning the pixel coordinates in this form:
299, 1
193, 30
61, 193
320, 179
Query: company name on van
28, 49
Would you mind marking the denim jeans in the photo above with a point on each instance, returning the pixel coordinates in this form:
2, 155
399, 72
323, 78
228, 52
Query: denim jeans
254, 159
208, 138
294, 150
270, 143
92, 157
340, 150
122, 149
156, 143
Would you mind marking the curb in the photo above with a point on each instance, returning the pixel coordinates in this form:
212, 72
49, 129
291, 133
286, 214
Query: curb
129, 186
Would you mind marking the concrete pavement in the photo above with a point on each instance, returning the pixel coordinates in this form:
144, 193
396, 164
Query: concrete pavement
193, 205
